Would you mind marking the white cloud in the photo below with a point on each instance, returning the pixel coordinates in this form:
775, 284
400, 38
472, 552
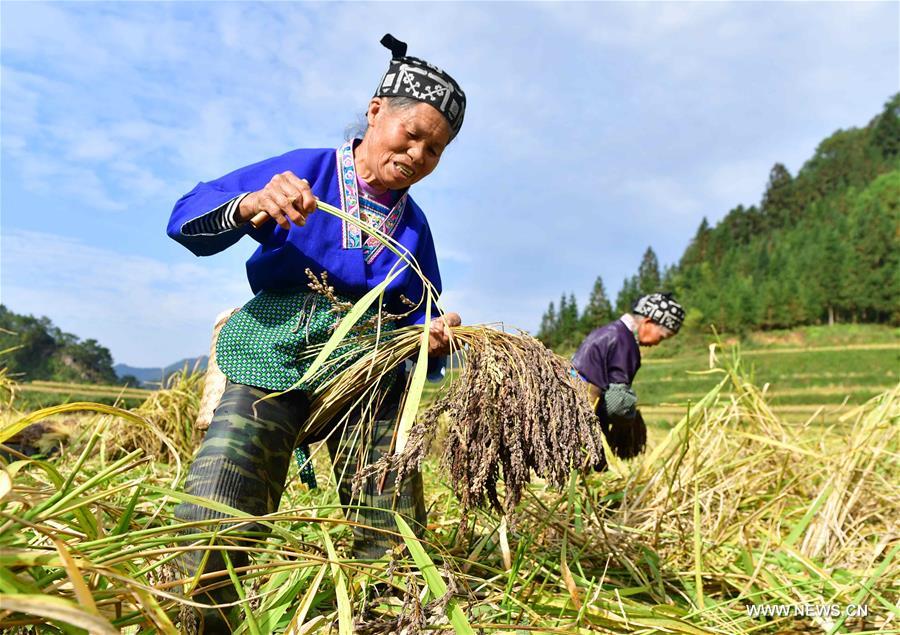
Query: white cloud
659, 196
455, 255
737, 183
148, 312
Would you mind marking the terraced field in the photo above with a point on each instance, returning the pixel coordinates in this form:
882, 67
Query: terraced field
39, 394
803, 383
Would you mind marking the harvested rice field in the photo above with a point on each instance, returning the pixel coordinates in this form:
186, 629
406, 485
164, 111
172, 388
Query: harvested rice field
744, 515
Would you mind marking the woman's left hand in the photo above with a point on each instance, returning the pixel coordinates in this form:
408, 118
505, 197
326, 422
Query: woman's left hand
439, 334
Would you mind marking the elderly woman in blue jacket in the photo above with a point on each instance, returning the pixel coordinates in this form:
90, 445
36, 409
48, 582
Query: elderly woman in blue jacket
416, 111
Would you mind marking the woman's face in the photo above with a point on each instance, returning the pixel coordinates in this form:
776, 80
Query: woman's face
403, 145
650, 333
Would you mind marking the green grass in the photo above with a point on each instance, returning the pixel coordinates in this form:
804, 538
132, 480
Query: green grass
839, 335
35, 395
804, 369
813, 376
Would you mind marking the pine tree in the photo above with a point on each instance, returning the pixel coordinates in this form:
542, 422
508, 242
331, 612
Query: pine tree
665, 280
628, 295
777, 202
598, 310
648, 273
875, 249
549, 326
561, 316
827, 257
886, 134
546, 327
568, 319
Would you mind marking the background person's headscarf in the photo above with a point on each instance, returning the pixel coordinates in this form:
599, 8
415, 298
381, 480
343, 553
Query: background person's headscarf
662, 309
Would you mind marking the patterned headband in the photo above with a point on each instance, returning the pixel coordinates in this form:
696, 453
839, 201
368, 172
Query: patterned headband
417, 79
662, 309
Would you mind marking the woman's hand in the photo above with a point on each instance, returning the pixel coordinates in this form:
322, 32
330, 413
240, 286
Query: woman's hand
287, 198
439, 334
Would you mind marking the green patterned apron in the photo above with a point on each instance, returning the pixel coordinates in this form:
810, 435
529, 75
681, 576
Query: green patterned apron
266, 343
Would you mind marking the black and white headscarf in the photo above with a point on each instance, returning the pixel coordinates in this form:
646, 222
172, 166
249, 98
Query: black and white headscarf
417, 79
662, 309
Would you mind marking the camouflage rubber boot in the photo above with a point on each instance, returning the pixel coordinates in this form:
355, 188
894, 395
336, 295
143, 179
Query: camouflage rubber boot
242, 463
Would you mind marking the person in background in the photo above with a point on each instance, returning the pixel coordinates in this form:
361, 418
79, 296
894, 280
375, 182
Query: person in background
416, 111
609, 358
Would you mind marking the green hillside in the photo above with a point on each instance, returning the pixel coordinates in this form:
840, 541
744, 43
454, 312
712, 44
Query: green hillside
821, 247
35, 349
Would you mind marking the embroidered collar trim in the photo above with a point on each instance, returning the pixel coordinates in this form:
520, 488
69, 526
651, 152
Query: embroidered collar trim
352, 235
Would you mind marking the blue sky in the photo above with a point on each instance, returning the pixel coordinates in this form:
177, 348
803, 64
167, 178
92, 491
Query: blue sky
593, 130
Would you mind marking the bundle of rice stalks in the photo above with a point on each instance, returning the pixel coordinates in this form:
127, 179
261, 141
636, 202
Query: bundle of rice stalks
513, 410
45, 437
215, 380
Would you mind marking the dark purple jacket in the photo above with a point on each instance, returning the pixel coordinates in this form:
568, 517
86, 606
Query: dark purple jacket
608, 355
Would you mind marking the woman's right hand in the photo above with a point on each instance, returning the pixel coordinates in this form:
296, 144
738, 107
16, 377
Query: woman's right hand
286, 198
439, 334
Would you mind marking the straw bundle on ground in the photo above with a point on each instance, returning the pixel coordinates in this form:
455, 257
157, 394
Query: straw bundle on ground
215, 380
171, 414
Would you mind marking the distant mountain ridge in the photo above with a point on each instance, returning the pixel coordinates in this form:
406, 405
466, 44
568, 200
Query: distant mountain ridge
159, 375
